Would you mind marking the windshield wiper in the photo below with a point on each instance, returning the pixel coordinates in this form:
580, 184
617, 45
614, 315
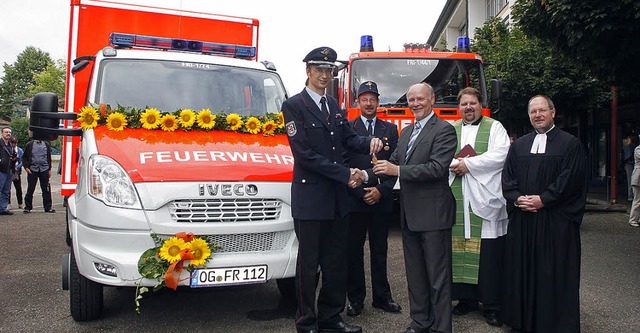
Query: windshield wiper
395, 105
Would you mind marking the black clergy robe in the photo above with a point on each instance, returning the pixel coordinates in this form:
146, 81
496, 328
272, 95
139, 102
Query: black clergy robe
542, 261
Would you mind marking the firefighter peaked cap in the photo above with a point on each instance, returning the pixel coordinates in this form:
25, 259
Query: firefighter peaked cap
322, 57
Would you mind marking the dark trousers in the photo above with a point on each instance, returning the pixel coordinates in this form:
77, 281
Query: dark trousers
376, 226
427, 257
488, 291
17, 183
321, 243
32, 179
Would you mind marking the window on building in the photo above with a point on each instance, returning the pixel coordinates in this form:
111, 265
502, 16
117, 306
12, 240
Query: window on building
494, 7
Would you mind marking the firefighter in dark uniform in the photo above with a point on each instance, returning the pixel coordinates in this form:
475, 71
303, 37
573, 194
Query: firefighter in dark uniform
319, 136
371, 209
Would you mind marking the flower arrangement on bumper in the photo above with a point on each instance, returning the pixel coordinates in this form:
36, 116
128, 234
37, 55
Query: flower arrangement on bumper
186, 119
165, 261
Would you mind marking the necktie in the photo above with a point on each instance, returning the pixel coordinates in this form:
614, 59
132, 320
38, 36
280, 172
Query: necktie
412, 139
323, 105
370, 126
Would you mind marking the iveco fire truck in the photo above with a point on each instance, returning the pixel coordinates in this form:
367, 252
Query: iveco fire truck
394, 72
123, 185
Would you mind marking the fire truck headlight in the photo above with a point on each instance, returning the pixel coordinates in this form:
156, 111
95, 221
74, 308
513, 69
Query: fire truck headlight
111, 184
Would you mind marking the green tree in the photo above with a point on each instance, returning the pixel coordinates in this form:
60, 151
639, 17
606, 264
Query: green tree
18, 79
52, 79
19, 129
598, 34
528, 66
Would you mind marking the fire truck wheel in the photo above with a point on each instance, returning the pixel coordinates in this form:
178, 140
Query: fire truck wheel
85, 296
287, 287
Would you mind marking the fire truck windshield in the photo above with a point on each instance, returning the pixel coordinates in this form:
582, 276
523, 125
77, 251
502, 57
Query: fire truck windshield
171, 85
394, 76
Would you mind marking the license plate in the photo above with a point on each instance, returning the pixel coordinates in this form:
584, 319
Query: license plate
214, 277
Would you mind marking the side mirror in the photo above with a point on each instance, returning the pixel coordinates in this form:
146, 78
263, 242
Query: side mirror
79, 66
45, 119
496, 89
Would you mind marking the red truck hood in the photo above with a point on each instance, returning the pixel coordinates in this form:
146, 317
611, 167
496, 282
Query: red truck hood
158, 156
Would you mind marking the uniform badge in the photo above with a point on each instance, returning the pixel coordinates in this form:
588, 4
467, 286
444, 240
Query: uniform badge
291, 128
386, 147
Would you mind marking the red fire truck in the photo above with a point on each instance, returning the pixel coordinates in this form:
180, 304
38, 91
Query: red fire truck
394, 72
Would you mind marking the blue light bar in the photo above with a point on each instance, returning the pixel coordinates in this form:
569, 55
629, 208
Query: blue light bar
130, 40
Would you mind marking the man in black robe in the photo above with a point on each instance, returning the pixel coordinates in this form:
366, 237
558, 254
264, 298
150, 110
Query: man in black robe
544, 183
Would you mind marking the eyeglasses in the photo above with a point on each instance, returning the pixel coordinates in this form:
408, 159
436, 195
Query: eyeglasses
541, 111
327, 71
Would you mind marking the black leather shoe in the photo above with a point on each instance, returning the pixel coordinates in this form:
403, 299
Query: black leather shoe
310, 331
492, 318
50, 211
341, 327
462, 308
354, 309
6, 212
388, 306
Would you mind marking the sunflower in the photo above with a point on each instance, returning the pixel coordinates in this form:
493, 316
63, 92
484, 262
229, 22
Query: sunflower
187, 118
200, 251
150, 118
88, 117
170, 250
206, 120
235, 122
253, 125
116, 121
169, 123
269, 128
280, 120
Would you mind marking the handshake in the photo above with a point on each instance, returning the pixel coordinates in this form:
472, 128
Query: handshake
356, 178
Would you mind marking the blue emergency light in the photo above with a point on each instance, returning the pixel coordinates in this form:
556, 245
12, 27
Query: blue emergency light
130, 40
463, 44
366, 43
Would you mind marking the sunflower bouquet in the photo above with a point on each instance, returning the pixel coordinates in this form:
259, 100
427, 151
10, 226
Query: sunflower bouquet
185, 119
165, 261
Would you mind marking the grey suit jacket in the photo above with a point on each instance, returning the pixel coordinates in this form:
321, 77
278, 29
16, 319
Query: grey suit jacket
426, 200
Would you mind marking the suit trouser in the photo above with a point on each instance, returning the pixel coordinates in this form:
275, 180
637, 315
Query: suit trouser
427, 257
376, 226
32, 179
321, 243
17, 184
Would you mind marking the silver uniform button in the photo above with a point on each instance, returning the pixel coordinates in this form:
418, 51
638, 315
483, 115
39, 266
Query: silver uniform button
331, 133
304, 180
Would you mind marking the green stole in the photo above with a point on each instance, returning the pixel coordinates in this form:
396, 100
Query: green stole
466, 252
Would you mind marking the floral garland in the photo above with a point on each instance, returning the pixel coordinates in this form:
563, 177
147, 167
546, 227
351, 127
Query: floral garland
186, 119
165, 261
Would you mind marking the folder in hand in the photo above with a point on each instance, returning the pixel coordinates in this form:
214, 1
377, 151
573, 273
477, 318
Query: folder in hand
466, 151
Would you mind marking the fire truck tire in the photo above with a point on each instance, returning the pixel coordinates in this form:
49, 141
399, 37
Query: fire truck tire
287, 287
85, 296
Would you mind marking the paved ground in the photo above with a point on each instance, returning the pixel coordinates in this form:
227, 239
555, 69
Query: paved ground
31, 298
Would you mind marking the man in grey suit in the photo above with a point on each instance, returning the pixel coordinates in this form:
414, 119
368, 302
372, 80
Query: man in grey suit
427, 210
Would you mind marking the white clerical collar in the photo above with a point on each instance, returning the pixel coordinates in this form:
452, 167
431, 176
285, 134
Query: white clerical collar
539, 145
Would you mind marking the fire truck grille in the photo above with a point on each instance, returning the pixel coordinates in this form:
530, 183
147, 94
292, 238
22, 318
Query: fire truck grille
225, 210
260, 242
242, 243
